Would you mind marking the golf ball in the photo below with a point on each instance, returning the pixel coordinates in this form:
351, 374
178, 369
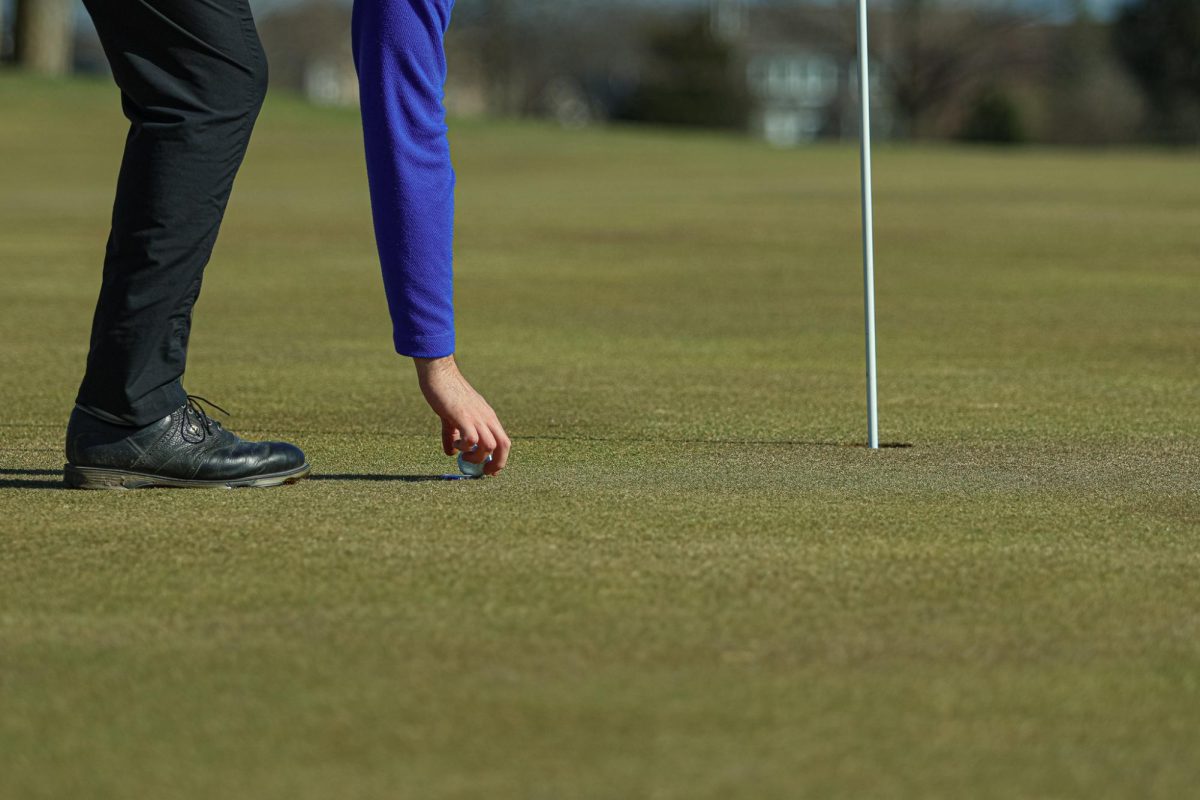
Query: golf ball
471, 469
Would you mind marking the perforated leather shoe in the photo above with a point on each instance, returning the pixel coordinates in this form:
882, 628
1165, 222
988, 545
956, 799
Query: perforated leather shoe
186, 449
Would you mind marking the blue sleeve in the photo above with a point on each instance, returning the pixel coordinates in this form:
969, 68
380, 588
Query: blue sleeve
401, 65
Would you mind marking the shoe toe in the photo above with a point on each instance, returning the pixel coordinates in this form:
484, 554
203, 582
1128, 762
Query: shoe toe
251, 459
281, 457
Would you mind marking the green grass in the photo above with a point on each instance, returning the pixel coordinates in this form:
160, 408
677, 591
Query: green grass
689, 584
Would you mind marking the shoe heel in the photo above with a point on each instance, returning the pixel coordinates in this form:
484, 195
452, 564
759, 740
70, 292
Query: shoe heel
85, 478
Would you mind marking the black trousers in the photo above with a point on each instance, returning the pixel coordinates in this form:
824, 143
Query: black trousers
192, 76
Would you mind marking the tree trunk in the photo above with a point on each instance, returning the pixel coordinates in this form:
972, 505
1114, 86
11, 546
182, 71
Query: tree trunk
43, 36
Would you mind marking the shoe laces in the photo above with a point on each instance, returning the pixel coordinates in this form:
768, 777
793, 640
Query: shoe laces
197, 423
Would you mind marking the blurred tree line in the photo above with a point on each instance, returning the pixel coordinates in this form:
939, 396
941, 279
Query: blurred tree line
40, 35
1159, 42
994, 72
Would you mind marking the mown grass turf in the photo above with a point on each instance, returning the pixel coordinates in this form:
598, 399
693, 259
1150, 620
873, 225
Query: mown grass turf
689, 584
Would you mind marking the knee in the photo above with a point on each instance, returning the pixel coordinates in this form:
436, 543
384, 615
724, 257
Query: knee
235, 92
260, 75
245, 92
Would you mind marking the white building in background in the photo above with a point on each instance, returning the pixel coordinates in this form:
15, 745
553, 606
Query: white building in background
802, 96
795, 89
800, 70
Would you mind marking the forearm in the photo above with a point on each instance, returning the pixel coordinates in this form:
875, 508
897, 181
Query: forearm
402, 70
430, 369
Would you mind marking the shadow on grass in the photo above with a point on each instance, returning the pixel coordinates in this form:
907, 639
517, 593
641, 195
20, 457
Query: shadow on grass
750, 442
554, 437
352, 476
23, 478
28, 483
22, 481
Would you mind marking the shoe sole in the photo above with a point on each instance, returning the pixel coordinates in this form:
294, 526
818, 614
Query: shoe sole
99, 478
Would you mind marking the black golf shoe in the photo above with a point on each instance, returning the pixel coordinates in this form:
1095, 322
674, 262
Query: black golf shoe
186, 449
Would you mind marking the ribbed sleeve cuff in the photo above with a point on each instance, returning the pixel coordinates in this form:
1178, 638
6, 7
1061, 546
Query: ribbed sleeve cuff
437, 346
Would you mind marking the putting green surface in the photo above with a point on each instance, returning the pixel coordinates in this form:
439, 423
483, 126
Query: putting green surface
691, 583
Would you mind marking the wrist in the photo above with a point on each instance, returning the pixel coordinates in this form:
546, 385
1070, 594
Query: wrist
432, 367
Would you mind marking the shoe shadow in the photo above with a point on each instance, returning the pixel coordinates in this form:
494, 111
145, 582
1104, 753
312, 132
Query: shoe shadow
23, 482
353, 476
24, 478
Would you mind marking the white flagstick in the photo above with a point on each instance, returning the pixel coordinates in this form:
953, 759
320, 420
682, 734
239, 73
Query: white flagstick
868, 232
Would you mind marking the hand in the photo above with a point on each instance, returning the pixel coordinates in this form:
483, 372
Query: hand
468, 423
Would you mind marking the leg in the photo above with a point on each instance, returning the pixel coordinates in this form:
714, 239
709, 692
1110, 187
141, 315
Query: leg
402, 70
192, 77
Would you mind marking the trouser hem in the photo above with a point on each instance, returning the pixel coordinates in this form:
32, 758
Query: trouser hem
151, 408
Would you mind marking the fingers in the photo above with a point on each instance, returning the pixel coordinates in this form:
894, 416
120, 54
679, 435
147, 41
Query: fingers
468, 438
478, 440
469, 425
503, 446
484, 446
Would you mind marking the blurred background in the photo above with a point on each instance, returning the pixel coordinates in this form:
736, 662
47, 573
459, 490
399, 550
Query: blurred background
1081, 72
693, 582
